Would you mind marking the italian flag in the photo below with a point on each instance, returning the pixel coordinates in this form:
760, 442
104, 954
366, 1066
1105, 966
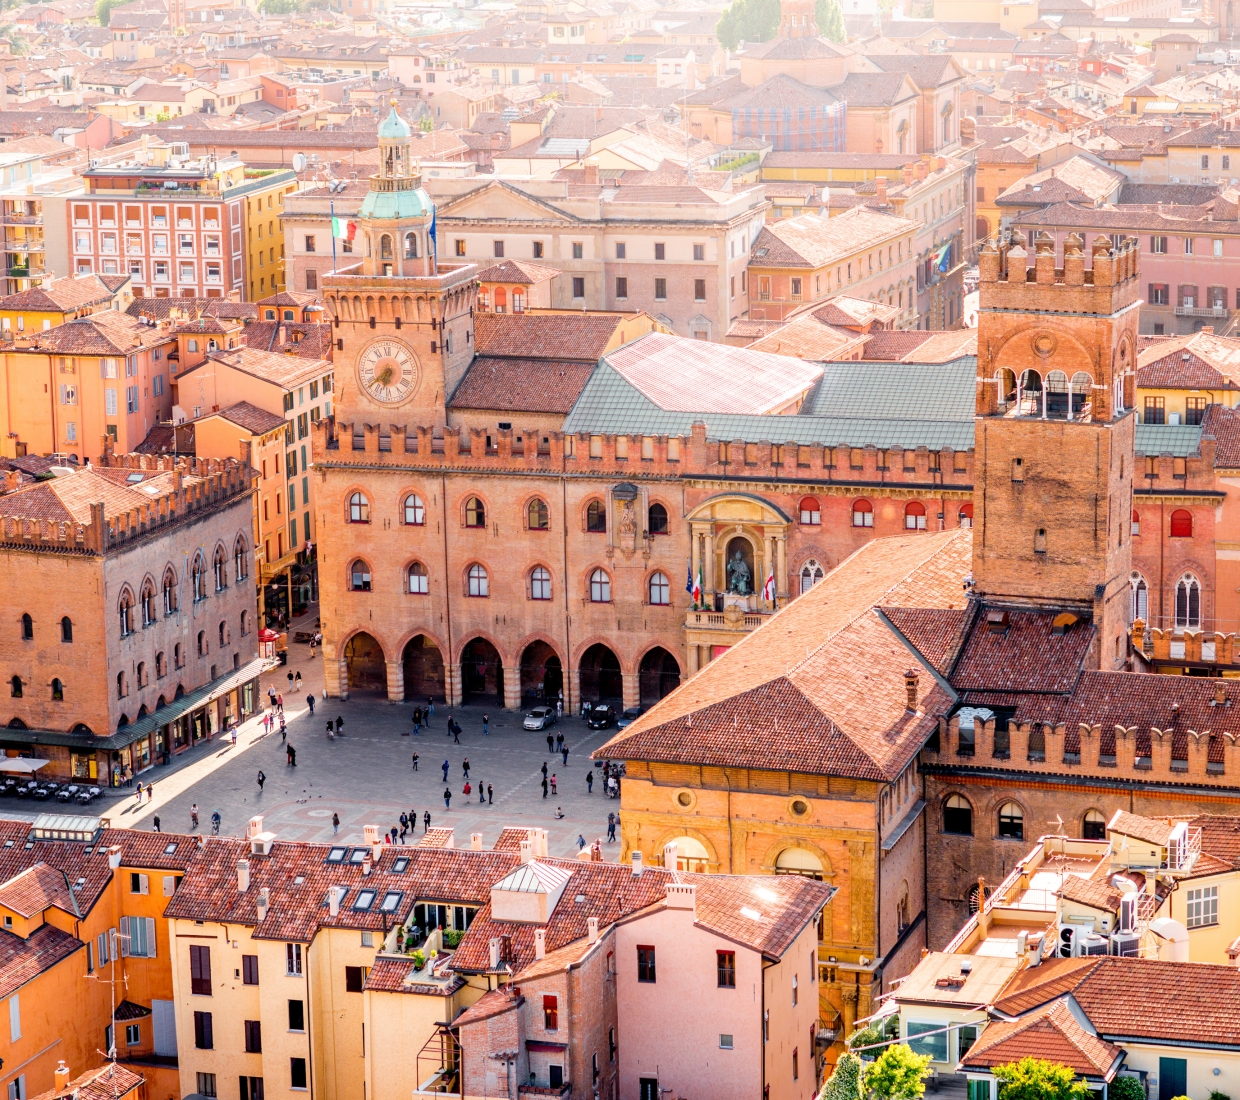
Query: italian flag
343, 229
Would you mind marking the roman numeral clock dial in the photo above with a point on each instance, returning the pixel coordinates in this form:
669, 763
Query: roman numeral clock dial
388, 372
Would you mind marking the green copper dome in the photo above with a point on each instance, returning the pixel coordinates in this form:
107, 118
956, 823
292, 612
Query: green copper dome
394, 127
396, 205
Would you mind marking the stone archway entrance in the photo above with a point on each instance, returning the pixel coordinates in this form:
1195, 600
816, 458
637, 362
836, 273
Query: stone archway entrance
482, 673
601, 679
424, 673
367, 669
542, 675
658, 676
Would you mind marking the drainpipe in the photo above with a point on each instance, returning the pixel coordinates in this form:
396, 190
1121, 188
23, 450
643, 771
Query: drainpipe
447, 671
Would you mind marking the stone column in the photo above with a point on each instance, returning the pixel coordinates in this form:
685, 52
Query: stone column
630, 689
769, 564
572, 690
452, 684
708, 582
781, 566
342, 676
396, 681
693, 659
512, 687
849, 994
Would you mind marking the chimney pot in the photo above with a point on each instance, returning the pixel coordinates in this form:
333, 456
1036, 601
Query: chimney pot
911, 678
333, 901
264, 903
243, 875
367, 862
540, 943
637, 864
495, 950
62, 1075
475, 842
256, 825
880, 189
592, 929
527, 850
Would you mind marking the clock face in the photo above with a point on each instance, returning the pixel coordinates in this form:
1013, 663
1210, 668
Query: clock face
388, 371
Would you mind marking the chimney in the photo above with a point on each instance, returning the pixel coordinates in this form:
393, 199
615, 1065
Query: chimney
637, 864
540, 943
62, 1076
475, 842
333, 901
591, 172
910, 686
367, 863
114, 857
256, 826
495, 945
880, 189
527, 850
669, 855
370, 835
264, 903
243, 875
592, 929
681, 895
1207, 330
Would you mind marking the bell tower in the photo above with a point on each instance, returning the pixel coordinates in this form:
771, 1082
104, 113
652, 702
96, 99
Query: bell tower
1053, 458
403, 322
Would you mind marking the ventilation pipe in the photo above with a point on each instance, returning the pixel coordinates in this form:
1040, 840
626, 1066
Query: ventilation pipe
264, 903
637, 864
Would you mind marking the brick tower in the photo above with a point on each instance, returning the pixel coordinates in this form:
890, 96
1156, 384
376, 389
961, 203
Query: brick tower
1056, 378
796, 19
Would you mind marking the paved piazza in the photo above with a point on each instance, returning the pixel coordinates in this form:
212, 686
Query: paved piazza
366, 776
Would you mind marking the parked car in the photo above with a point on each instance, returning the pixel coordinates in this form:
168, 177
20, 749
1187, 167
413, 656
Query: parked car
601, 717
631, 715
539, 718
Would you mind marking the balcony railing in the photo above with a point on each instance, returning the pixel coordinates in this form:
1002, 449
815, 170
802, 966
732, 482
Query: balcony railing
21, 219
718, 620
1201, 311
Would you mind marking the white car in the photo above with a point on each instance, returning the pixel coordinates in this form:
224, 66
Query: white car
539, 718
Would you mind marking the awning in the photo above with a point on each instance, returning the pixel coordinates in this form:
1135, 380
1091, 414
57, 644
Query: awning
148, 723
21, 765
544, 1046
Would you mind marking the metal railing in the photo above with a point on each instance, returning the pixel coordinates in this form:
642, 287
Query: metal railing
1201, 311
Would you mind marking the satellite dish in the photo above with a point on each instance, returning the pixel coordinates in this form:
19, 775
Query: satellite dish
299, 162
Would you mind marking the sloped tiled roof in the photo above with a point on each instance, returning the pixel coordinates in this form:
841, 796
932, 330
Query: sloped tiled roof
1052, 1033
61, 295
35, 889
110, 1082
251, 417
544, 336
936, 634
521, 385
24, 959
811, 241
517, 271
1027, 656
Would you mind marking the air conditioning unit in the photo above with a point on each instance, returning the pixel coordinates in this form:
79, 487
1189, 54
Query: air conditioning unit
1093, 944
1125, 944
1068, 934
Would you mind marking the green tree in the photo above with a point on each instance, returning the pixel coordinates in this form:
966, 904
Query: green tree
1126, 1088
1036, 1079
830, 19
845, 1082
278, 7
103, 10
898, 1074
748, 21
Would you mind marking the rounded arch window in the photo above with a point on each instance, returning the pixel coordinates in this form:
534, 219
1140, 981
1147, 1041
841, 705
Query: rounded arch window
66, 629
27, 627
656, 520
1140, 592
385, 247
418, 579
1181, 524
798, 861
478, 582
862, 513
1094, 826
411, 246
415, 511
977, 897
691, 855
811, 512
58, 690
660, 590
1011, 821
915, 516
15, 686
223, 635
1187, 603
148, 603
359, 576
359, 508
965, 516
202, 643
540, 583
239, 560
170, 592
538, 515
220, 569
122, 686
475, 513
125, 612
958, 816
596, 516
600, 586
200, 578
811, 573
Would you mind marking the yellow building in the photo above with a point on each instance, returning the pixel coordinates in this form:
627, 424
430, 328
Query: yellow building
1179, 377
61, 300
261, 228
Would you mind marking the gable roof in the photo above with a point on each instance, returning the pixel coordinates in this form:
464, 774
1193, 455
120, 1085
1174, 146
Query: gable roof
572, 336
1051, 1032
812, 241
61, 295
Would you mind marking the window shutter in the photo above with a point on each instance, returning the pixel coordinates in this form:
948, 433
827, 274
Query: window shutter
1180, 292
145, 882
1150, 297
124, 937
150, 937
170, 885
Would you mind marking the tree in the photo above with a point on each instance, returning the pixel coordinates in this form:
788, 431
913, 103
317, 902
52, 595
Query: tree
103, 10
830, 19
1035, 1079
845, 1082
278, 7
898, 1074
1126, 1088
748, 21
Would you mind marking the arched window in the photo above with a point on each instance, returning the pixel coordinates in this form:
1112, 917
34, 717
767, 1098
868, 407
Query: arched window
798, 861
811, 574
1094, 826
148, 604
161, 666
27, 628
200, 579
223, 635
419, 582
915, 516
540, 583
596, 516
141, 670
1181, 524
219, 566
245, 623
15, 687
1140, 607
1188, 603
965, 516
66, 629
239, 560
537, 515
811, 512
415, 510
958, 816
411, 246
126, 613
58, 691
122, 686
600, 586
862, 513
170, 592
660, 590
385, 247
202, 643
475, 513
359, 509
656, 520
1012, 821
359, 576
479, 585
1136, 522
178, 656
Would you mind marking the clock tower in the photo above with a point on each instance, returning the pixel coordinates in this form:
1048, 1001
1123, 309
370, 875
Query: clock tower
403, 323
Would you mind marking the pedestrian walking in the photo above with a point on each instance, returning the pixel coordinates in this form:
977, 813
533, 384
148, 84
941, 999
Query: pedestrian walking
283, 729
335, 824
611, 828
404, 824
465, 767
564, 754
312, 647
467, 790
590, 781
426, 821
490, 794
297, 681
544, 786
280, 703
456, 733
553, 782
390, 836
310, 702
559, 741
150, 792
339, 725
290, 680
430, 710
331, 730
559, 705
271, 694
445, 771
193, 816
155, 822
581, 842
550, 743
482, 794
138, 794
486, 721
544, 769
288, 755
415, 761
261, 780
447, 798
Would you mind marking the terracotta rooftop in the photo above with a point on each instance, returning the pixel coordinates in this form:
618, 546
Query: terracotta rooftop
30, 892
250, 417
517, 271
522, 385
110, 1082
544, 336
61, 295
24, 959
1051, 1032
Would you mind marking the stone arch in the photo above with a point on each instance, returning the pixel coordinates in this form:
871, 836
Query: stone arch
771, 857
601, 673
482, 671
365, 665
422, 664
541, 669
676, 831
658, 675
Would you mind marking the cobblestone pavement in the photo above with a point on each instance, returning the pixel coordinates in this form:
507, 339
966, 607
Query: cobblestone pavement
367, 777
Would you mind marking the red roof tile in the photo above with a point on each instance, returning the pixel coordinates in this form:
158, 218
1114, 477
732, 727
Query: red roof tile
1052, 1033
522, 385
544, 336
1026, 657
24, 959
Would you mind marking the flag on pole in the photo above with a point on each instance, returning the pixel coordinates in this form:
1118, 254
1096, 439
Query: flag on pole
697, 588
689, 577
343, 229
768, 589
